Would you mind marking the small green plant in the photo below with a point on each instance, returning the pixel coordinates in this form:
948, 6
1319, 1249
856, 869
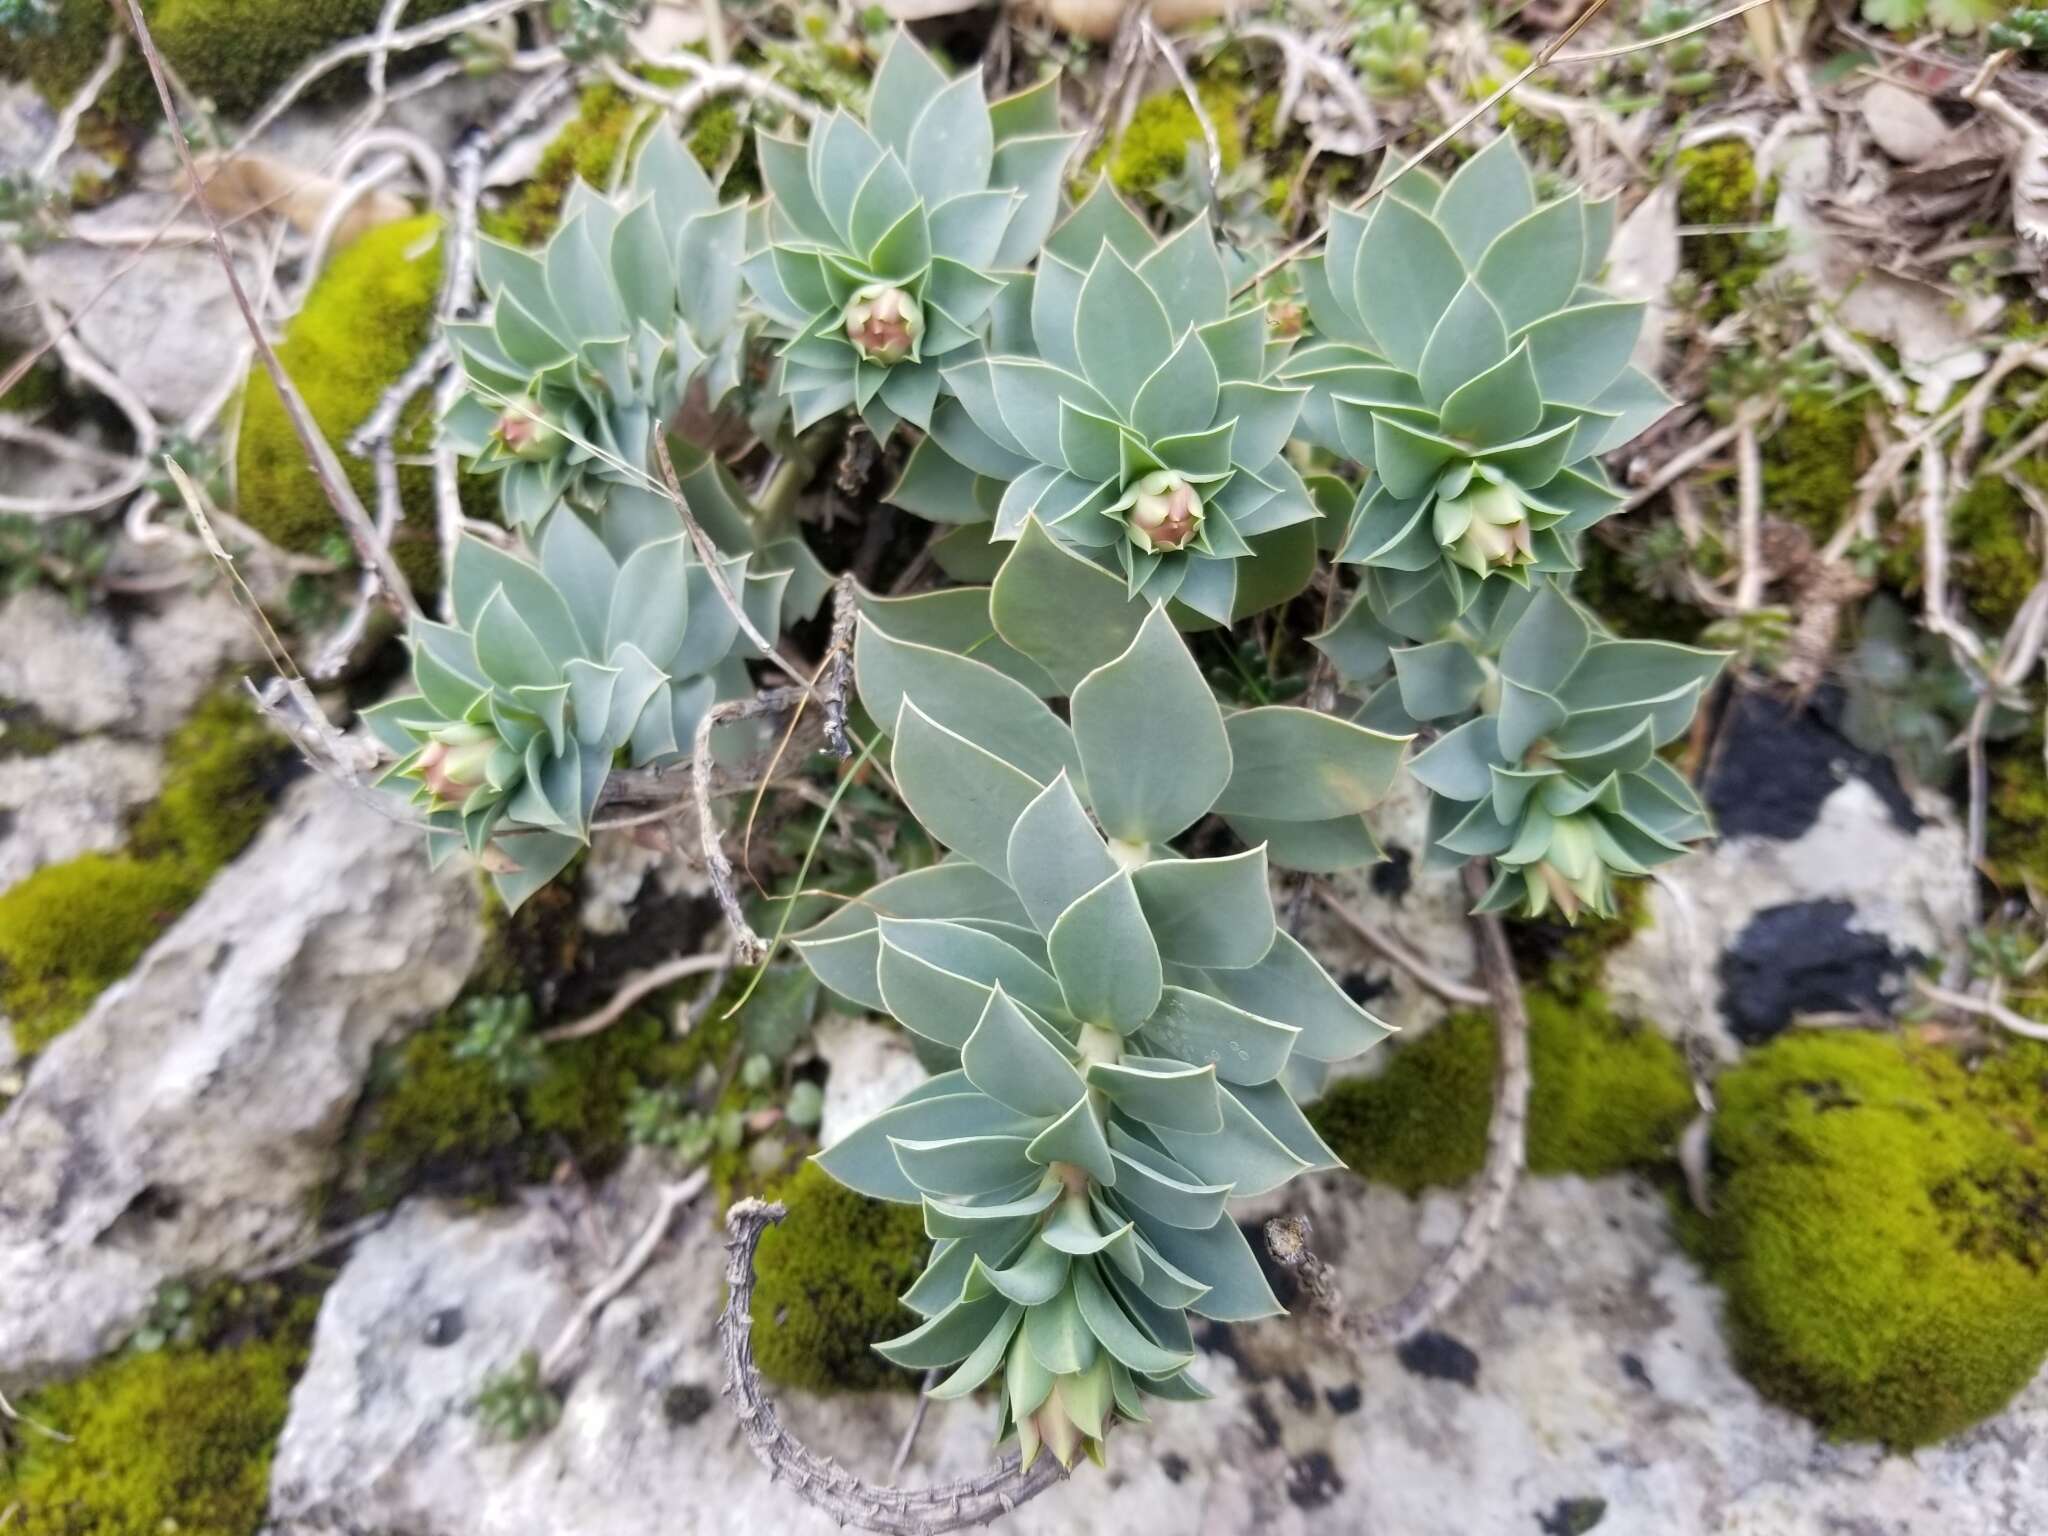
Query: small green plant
499, 1031
68, 553
1392, 49
515, 1404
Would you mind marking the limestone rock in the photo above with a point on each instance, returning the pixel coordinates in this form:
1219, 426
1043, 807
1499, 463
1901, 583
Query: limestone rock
1584, 1373
184, 1121
83, 674
872, 1066
70, 801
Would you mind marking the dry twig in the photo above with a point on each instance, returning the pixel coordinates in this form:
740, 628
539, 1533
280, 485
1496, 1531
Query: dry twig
819, 1482
570, 1339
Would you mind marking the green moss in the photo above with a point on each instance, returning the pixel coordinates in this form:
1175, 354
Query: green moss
827, 1280
589, 147
359, 329
1880, 1227
1718, 185
71, 930
1613, 585
176, 1440
234, 52
1606, 1095
1812, 462
434, 1118
1154, 148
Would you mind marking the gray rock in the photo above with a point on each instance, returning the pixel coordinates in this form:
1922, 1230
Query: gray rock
70, 801
1590, 1370
168, 325
1909, 890
82, 674
184, 1121
872, 1066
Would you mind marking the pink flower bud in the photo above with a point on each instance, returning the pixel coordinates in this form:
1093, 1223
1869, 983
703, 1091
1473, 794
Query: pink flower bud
884, 323
455, 761
525, 432
1167, 511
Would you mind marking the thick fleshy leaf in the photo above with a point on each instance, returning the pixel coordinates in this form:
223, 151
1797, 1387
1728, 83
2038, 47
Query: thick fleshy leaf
480, 569
1186, 273
1193, 1027
1532, 267
952, 146
1221, 1259
865, 1160
1180, 397
1077, 1138
1064, 613
966, 797
1125, 1342
960, 1166
1302, 765
1151, 739
1500, 405
1058, 1337
1208, 912
1008, 1058
1406, 459
906, 80
1243, 1153
1467, 341
1120, 329
948, 1338
1056, 855
1162, 1093
1490, 193
1291, 987
1579, 352
1104, 956
1416, 274
975, 701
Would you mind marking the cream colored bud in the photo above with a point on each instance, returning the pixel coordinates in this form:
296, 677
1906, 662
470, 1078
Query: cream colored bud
884, 323
1167, 511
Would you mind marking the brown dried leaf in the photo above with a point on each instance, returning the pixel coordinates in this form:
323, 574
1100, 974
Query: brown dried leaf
253, 184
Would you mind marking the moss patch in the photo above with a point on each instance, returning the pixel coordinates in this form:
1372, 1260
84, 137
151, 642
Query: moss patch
235, 52
1718, 185
1154, 148
1812, 462
1881, 1227
71, 930
1606, 1095
827, 1283
360, 328
175, 1440
2016, 832
1992, 563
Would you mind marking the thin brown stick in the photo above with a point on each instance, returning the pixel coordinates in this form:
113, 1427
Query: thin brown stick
749, 948
1449, 988
819, 1482
397, 592
632, 990
1506, 1154
570, 1339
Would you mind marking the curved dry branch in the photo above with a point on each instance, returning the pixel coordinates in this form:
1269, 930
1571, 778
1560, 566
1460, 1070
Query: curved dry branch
819, 1481
1506, 1155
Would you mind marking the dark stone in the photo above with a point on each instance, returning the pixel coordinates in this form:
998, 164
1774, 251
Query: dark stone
684, 1404
1572, 1517
1394, 875
1803, 957
1633, 1368
1772, 767
443, 1328
1439, 1357
1174, 1465
1362, 989
1312, 1481
1214, 1338
1264, 1420
1301, 1389
1344, 1399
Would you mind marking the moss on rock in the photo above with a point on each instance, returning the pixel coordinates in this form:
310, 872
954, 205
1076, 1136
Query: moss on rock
1606, 1095
1812, 462
236, 53
359, 329
2016, 831
827, 1282
1718, 185
176, 1440
72, 929
1881, 1229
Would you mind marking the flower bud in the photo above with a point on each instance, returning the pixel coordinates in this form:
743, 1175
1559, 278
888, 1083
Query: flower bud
1285, 318
884, 323
1166, 512
526, 432
455, 760
1495, 529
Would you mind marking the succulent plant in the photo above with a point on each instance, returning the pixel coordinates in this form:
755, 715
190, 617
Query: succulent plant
1125, 405
613, 643
1464, 356
1122, 1028
874, 254
1557, 776
595, 340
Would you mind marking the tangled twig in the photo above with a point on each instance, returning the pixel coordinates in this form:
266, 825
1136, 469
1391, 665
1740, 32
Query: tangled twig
818, 1481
